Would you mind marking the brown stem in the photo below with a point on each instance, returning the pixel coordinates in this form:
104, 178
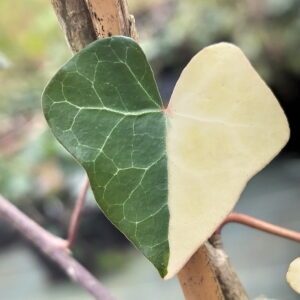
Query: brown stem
230, 283
75, 217
83, 21
198, 279
209, 275
111, 18
76, 22
261, 225
54, 247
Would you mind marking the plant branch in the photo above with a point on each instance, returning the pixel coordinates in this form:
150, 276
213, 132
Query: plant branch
230, 283
54, 247
83, 21
111, 18
209, 274
198, 277
260, 225
75, 217
75, 20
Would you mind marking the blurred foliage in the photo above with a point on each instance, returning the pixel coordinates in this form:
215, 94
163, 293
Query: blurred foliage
37, 173
267, 30
29, 31
31, 47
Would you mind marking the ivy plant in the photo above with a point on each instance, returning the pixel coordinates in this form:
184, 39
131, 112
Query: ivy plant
165, 177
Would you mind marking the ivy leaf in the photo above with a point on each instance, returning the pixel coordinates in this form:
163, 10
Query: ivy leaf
166, 178
293, 275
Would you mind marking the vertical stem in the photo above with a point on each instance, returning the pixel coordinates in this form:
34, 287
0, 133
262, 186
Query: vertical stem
83, 21
198, 279
76, 22
231, 285
107, 19
111, 17
208, 275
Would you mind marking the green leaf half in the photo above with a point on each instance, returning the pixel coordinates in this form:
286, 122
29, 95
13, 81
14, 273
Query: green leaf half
104, 107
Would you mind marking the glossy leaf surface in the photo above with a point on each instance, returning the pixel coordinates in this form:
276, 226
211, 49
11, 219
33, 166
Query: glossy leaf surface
166, 178
104, 107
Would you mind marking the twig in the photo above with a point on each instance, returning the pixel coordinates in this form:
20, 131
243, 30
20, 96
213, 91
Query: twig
76, 22
111, 18
84, 20
230, 283
260, 225
75, 217
198, 278
209, 275
54, 247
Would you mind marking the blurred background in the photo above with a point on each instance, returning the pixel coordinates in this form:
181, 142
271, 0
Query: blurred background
39, 176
